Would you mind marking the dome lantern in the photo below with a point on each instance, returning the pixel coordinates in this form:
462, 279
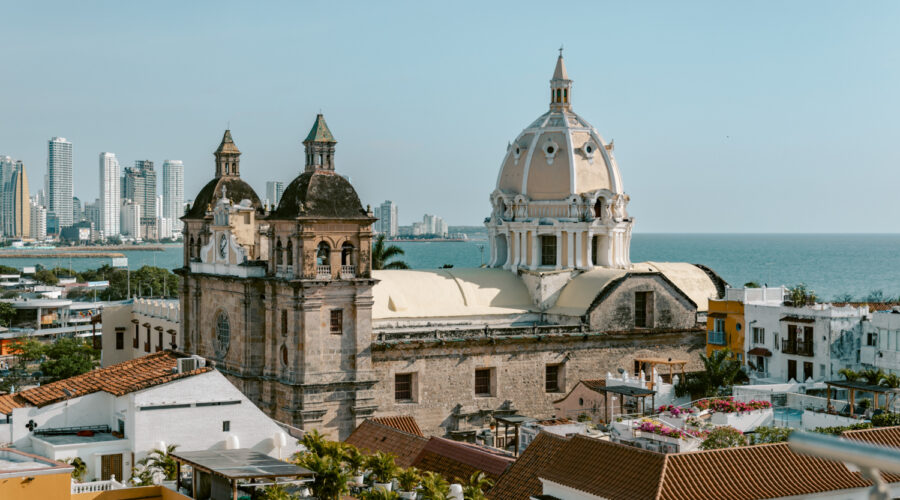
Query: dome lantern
560, 86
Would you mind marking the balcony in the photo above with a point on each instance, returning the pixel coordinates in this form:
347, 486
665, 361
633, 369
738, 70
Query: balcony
716, 338
799, 347
323, 272
348, 272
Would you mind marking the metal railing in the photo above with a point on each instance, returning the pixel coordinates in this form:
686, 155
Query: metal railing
799, 347
717, 338
348, 271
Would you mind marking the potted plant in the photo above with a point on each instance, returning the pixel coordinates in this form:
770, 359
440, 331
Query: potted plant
408, 480
355, 462
383, 469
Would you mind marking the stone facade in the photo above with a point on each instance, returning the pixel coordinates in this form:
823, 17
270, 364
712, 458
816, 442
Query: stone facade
666, 306
444, 399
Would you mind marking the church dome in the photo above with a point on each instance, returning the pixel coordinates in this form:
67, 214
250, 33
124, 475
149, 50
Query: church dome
560, 154
319, 194
235, 188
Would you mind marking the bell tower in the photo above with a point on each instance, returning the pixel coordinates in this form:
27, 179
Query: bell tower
319, 146
228, 157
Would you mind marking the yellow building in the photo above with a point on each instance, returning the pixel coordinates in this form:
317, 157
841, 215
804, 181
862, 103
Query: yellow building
725, 327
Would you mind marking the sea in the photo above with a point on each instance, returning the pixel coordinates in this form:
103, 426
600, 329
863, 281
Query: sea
830, 264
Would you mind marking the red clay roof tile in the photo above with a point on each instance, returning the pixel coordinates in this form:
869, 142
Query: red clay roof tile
405, 423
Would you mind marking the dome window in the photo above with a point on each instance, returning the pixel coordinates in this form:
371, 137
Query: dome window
589, 150
517, 151
551, 149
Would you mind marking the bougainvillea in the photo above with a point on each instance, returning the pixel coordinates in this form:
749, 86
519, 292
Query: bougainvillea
654, 427
673, 410
729, 405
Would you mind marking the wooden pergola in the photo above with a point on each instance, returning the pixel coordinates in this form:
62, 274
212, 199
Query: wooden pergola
669, 362
853, 386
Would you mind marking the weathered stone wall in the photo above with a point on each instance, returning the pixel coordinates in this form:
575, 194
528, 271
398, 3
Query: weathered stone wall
670, 308
444, 372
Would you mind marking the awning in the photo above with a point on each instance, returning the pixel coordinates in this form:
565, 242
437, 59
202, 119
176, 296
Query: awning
759, 351
798, 319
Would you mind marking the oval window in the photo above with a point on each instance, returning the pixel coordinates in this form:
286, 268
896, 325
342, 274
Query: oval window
588, 149
550, 150
284, 355
738, 326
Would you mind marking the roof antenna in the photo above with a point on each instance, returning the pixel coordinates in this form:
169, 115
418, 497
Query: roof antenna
229, 121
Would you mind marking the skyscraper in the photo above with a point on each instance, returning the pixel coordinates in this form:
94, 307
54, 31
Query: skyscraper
388, 218
140, 187
92, 214
59, 171
77, 210
274, 190
131, 219
38, 221
19, 214
110, 203
173, 193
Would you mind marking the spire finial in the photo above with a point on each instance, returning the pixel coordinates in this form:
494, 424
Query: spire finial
560, 50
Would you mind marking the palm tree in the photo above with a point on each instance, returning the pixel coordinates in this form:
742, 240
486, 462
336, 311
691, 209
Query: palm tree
849, 375
719, 372
435, 487
893, 381
162, 461
381, 254
872, 376
475, 487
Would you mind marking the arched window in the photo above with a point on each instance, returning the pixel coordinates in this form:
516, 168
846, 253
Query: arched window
565, 95
347, 254
290, 253
191, 248
323, 254
598, 208
558, 95
223, 334
278, 254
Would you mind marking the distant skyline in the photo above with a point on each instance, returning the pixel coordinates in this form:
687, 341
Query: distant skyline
740, 117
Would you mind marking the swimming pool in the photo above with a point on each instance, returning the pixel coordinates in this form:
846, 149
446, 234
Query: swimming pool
787, 417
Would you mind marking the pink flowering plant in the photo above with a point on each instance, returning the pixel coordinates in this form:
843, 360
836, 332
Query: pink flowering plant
729, 405
673, 410
658, 428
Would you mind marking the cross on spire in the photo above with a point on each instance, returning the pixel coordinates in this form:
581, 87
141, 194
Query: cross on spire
560, 50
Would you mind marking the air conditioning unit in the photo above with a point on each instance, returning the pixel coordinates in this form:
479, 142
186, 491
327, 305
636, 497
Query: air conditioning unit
190, 364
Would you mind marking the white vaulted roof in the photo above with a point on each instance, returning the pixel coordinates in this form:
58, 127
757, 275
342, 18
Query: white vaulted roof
448, 292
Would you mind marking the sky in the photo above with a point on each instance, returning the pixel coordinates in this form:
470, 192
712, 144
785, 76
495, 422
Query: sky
728, 117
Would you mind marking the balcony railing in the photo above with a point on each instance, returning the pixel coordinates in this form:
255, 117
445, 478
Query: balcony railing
348, 272
799, 347
96, 486
323, 272
717, 338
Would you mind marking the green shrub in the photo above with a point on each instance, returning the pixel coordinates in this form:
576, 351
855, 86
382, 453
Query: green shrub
886, 419
838, 430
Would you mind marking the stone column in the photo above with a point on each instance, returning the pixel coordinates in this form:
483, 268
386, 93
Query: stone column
509, 255
535, 248
570, 260
578, 254
559, 248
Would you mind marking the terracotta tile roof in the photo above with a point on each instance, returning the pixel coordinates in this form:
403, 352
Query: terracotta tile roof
887, 436
606, 469
554, 421
372, 436
405, 423
455, 459
598, 383
521, 479
119, 379
617, 471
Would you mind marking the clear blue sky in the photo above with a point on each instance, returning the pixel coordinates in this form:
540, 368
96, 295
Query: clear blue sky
727, 117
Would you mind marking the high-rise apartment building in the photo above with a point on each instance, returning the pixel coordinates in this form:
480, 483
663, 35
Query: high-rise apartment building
140, 187
110, 196
274, 190
131, 219
173, 193
92, 214
387, 219
18, 211
59, 188
38, 221
77, 210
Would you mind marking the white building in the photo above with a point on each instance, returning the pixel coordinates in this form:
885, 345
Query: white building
139, 327
274, 190
126, 410
387, 219
131, 219
173, 193
38, 222
110, 195
59, 169
785, 343
164, 227
880, 343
